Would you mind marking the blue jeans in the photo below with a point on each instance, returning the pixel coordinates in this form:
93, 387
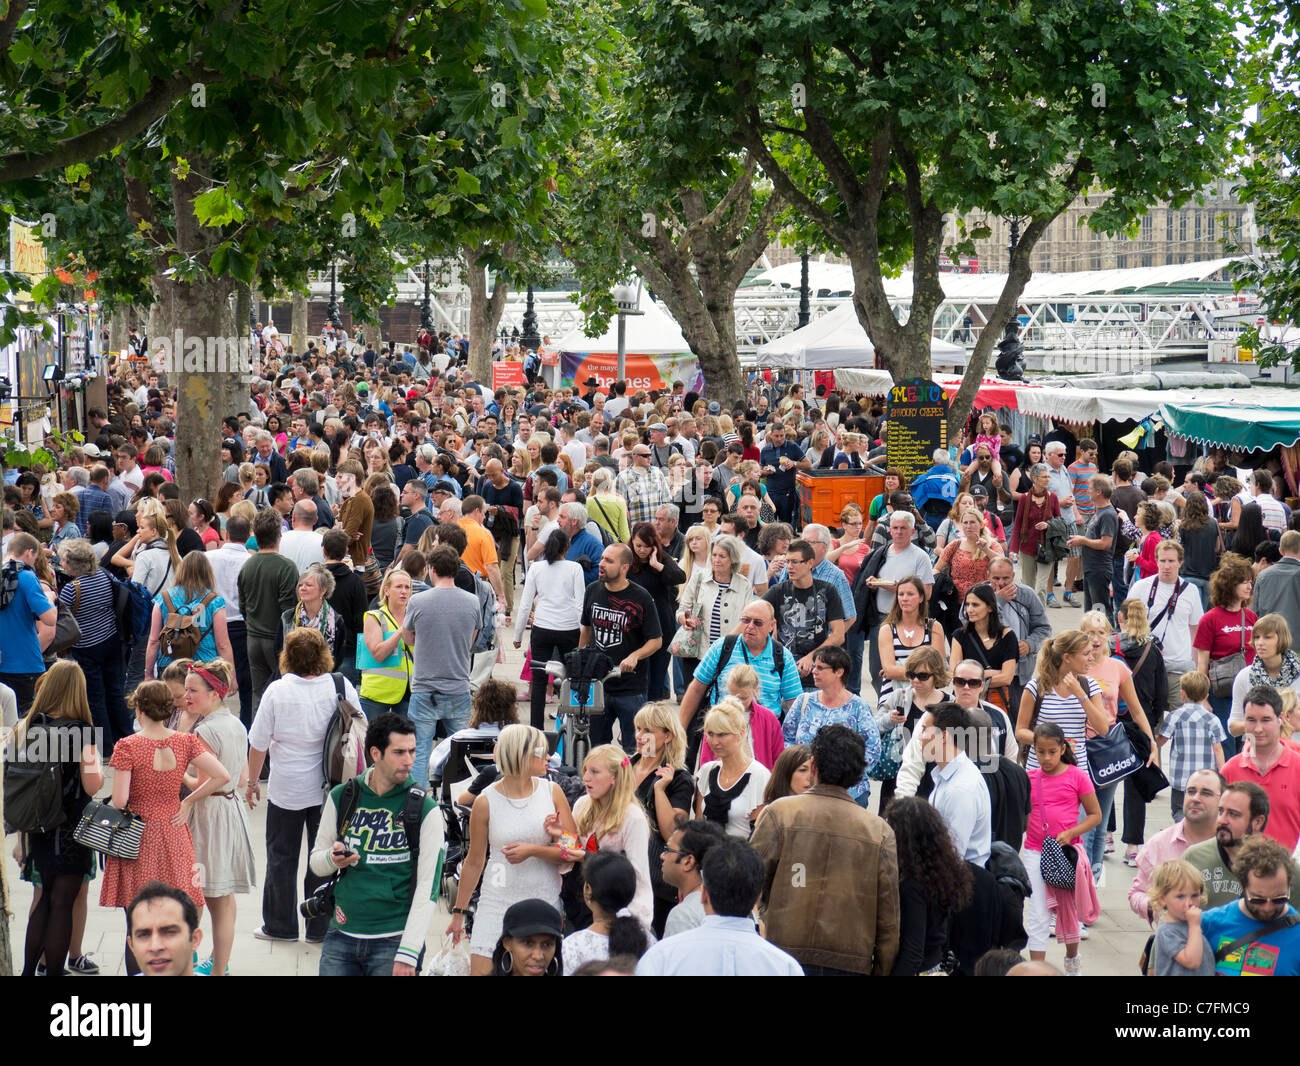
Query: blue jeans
426, 710
1222, 707
855, 645
1202, 586
1094, 841
623, 706
349, 956
1118, 586
372, 709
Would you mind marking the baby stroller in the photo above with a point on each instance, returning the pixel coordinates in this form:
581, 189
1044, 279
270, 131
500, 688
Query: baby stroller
466, 760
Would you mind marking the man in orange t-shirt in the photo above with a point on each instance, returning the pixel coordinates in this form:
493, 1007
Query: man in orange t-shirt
481, 550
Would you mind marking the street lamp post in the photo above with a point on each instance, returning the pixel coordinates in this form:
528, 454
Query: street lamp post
426, 311
627, 300
530, 338
803, 289
336, 319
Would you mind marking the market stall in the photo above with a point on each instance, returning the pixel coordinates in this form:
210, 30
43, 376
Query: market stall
656, 354
837, 341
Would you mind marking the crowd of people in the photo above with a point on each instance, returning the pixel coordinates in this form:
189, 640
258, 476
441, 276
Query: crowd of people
883, 705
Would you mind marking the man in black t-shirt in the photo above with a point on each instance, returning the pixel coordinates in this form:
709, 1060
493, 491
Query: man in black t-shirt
622, 620
1127, 498
808, 611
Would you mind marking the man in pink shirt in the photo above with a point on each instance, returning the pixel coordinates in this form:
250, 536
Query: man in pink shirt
1200, 810
1270, 763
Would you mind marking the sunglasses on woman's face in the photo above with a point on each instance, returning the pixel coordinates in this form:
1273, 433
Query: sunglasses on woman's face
968, 682
919, 675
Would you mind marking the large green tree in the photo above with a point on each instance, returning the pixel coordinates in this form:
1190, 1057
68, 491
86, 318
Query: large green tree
257, 112
1270, 180
877, 118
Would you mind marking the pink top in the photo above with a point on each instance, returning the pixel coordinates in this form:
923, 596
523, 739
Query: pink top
1167, 844
1110, 674
1056, 799
764, 734
994, 444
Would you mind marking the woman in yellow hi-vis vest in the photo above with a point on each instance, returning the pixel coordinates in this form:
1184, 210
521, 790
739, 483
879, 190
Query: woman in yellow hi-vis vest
383, 659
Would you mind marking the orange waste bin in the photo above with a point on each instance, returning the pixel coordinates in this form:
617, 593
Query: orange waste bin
823, 494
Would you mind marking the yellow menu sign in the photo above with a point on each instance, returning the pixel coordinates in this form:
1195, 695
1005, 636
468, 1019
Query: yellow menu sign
26, 253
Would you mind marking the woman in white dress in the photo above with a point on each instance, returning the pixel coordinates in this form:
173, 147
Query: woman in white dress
223, 847
511, 816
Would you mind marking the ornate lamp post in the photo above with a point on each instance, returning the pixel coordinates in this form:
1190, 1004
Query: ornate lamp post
336, 319
530, 338
426, 311
803, 289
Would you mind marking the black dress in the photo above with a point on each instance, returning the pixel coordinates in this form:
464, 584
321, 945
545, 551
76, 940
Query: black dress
922, 931
55, 853
681, 797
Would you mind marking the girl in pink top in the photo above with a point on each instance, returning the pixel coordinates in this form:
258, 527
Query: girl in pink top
1056, 788
764, 726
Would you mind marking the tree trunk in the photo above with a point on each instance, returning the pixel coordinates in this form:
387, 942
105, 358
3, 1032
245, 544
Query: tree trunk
117, 331
298, 324
484, 310
212, 364
243, 305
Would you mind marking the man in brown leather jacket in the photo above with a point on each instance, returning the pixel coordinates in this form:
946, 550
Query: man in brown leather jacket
830, 895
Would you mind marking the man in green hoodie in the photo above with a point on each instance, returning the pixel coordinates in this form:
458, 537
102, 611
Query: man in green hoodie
383, 897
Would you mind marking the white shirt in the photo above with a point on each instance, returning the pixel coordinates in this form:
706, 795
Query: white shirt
226, 562
720, 947
748, 798
1178, 626
133, 477
615, 407
577, 453
688, 914
291, 723
302, 547
1273, 511
962, 798
688, 447
555, 593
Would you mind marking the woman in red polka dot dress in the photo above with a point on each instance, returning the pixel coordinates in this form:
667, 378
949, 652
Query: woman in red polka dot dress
149, 768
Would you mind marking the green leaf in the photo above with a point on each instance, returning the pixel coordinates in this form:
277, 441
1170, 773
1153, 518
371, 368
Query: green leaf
466, 184
216, 208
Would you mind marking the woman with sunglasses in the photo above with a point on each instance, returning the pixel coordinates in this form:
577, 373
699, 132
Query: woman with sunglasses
927, 686
907, 626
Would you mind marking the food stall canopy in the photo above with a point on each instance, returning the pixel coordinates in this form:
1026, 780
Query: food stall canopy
987, 288
992, 391
835, 341
1082, 407
1259, 424
651, 333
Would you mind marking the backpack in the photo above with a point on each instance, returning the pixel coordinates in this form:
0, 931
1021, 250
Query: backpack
180, 637
34, 787
487, 615
344, 754
724, 657
132, 608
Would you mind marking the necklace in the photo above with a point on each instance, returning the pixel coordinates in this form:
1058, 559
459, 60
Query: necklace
517, 804
908, 634
722, 775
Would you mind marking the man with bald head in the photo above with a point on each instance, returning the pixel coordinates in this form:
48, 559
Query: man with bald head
302, 543
778, 673
622, 620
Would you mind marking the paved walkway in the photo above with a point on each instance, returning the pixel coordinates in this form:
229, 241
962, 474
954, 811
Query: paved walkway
1112, 948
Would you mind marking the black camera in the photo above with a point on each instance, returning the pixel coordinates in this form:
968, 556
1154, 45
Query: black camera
320, 903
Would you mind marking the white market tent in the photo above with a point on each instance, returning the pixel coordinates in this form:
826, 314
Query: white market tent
836, 341
1080, 407
986, 288
652, 333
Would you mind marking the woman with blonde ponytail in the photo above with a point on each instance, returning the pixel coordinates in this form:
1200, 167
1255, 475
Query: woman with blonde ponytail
1061, 692
610, 817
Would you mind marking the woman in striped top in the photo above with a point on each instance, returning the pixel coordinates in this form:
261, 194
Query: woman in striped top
99, 651
1070, 698
908, 626
714, 596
